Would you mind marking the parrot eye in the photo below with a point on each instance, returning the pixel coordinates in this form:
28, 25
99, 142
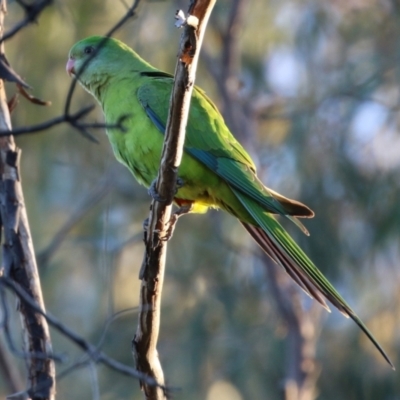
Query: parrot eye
88, 50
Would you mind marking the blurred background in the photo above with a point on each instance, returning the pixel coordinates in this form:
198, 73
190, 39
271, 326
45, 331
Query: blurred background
311, 88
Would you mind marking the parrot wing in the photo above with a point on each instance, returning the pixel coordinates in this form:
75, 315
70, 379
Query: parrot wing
210, 142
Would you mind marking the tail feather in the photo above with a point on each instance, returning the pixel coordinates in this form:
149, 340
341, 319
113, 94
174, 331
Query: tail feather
278, 245
293, 207
281, 259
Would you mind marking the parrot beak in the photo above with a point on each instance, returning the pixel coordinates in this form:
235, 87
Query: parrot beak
70, 67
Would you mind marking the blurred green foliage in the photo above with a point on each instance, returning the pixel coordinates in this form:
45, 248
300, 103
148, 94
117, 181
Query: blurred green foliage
322, 79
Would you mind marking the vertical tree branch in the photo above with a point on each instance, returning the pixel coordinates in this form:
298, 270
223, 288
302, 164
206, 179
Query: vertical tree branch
18, 255
145, 340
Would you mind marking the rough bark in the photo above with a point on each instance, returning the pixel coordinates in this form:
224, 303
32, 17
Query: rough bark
18, 255
145, 340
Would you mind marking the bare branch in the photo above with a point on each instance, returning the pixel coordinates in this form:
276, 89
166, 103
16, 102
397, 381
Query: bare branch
145, 340
74, 118
32, 12
19, 257
31, 98
98, 193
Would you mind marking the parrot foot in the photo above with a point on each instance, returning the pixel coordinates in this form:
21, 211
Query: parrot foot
155, 195
179, 184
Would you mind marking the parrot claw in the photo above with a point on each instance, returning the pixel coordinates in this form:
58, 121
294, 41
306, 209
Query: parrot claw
153, 190
154, 194
179, 184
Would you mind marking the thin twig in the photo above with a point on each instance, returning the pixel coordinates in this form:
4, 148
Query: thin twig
73, 120
48, 124
32, 12
98, 193
86, 359
5, 324
12, 378
95, 382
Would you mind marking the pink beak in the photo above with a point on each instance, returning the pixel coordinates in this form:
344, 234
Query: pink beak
70, 67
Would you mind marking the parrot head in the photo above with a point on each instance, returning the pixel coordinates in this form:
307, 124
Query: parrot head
87, 51
96, 59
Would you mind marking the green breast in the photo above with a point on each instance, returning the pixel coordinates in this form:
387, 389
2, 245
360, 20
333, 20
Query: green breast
139, 147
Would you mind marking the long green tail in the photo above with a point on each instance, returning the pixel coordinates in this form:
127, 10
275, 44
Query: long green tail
278, 245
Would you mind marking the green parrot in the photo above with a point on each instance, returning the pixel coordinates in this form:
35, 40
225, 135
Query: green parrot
216, 171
